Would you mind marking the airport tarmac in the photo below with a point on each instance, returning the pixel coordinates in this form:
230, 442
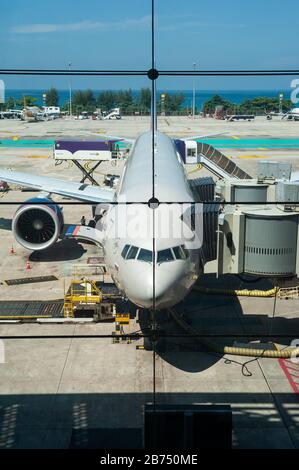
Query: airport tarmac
58, 392
55, 390
132, 126
245, 142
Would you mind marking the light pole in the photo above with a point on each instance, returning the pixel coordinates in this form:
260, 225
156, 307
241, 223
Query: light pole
280, 102
193, 100
70, 91
163, 104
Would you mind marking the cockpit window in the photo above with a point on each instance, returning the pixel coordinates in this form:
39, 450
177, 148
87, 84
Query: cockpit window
179, 252
185, 251
125, 251
165, 255
169, 254
132, 252
145, 255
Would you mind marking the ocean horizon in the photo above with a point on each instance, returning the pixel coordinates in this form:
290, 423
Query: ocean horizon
235, 96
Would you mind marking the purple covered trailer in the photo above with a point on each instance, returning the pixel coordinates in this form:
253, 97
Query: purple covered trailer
86, 150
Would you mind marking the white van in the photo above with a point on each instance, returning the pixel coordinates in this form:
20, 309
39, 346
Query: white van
51, 110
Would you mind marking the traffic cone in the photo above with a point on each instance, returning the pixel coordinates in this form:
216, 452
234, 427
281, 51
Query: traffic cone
12, 251
28, 265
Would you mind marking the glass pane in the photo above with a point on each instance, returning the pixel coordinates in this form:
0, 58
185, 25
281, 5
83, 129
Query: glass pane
173, 367
178, 252
125, 250
132, 252
179, 31
145, 255
165, 255
185, 251
44, 40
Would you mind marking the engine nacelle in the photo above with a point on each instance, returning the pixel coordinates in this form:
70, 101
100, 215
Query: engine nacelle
37, 224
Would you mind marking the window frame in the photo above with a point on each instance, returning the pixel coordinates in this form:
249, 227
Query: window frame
145, 261
136, 254
126, 252
168, 260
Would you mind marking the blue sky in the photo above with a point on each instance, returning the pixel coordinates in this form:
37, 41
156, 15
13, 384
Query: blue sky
116, 34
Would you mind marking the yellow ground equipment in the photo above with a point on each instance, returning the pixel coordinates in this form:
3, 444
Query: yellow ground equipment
82, 293
121, 319
85, 298
86, 270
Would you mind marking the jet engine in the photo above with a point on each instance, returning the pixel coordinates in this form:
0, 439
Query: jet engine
38, 223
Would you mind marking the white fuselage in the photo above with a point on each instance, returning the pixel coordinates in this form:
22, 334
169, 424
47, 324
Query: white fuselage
151, 253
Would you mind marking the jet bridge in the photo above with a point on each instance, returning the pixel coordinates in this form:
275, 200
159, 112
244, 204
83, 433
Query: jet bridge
203, 189
193, 152
257, 226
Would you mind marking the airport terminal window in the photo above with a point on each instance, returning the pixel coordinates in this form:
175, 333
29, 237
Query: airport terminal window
165, 255
132, 252
125, 250
145, 255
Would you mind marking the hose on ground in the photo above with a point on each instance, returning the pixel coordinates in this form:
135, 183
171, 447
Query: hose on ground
233, 350
239, 293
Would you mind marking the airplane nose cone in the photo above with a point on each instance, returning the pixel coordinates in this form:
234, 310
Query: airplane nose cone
166, 292
142, 292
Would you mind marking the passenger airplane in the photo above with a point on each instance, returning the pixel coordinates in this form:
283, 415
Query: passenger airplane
166, 239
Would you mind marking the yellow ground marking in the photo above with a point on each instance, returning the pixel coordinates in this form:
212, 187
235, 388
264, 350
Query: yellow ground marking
235, 137
25, 156
262, 148
35, 156
15, 137
198, 167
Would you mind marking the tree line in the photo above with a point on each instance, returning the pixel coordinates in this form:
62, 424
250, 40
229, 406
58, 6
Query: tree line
257, 106
88, 101
140, 103
126, 100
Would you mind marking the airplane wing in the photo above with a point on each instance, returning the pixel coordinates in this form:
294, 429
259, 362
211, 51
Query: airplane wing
114, 137
195, 137
83, 192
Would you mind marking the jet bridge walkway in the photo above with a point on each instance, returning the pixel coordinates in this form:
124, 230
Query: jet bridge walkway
203, 190
216, 162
